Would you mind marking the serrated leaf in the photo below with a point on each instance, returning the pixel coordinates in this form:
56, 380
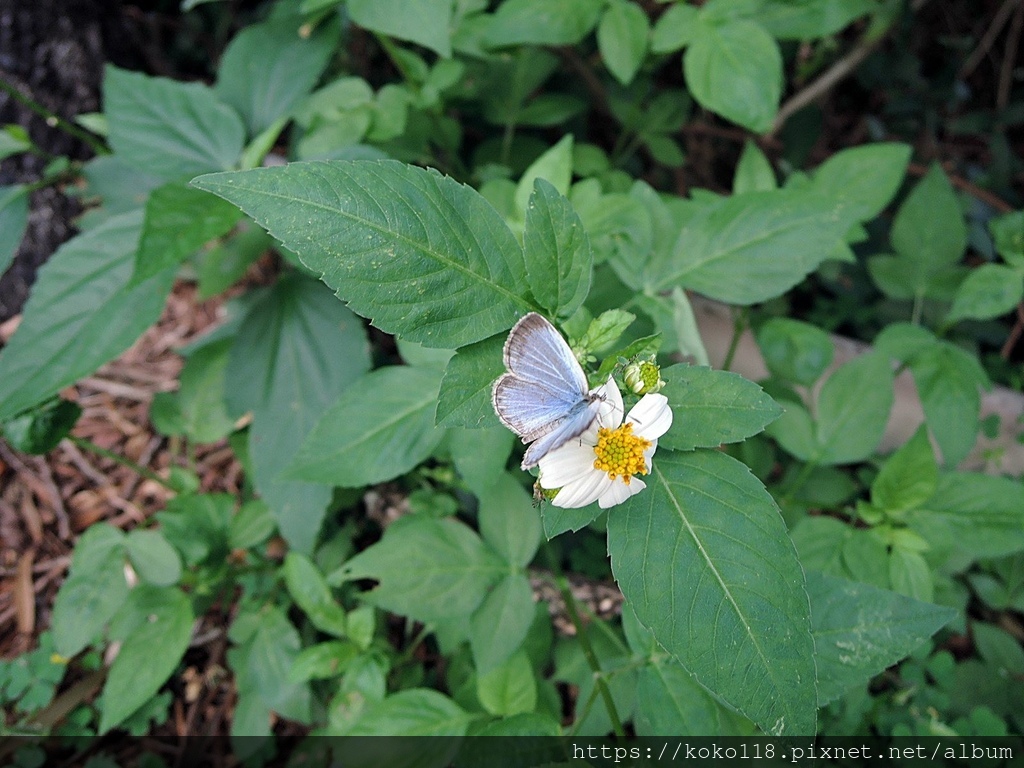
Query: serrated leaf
297, 350
540, 22
381, 427
703, 556
553, 166
427, 22
268, 68
179, 221
465, 396
989, 291
148, 655
860, 630
622, 37
308, 588
93, 591
853, 409
735, 69
81, 313
428, 569
751, 247
171, 129
713, 407
153, 558
499, 626
559, 265
394, 241
669, 702
13, 220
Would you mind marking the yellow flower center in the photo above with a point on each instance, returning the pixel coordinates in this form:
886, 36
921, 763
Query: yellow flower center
620, 453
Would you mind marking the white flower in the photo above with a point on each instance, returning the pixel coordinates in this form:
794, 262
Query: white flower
602, 464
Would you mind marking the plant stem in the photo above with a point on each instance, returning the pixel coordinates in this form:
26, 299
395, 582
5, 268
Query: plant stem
915, 312
54, 120
600, 682
739, 325
89, 445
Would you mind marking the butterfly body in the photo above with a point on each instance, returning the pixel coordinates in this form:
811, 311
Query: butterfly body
544, 397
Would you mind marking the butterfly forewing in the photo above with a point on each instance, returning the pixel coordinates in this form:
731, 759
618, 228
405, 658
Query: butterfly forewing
528, 409
573, 425
535, 351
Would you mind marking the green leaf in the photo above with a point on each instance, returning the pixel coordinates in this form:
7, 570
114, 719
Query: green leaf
622, 37
201, 394
509, 688
81, 313
480, 455
704, 558
999, 648
197, 524
121, 187
795, 351
380, 428
669, 702
171, 129
13, 220
908, 478
929, 227
153, 558
264, 664
810, 19
427, 22
910, 575
394, 241
179, 221
252, 525
148, 655
527, 724
751, 247
296, 351
540, 22
559, 265
508, 520
853, 409
500, 625
223, 265
268, 68
675, 28
40, 429
93, 591
308, 588
860, 630
323, 661
13, 139
989, 291
711, 407
972, 516
413, 712
1008, 234
605, 330
553, 166
428, 569
861, 181
754, 173
465, 396
735, 69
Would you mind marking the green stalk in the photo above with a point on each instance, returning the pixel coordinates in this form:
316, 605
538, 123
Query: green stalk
55, 120
89, 445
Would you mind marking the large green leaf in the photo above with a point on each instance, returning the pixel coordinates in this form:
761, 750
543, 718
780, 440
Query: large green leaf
499, 626
171, 129
178, 222
861, 181
380, 428
794, 350
559, 264
859, 630
422, 255
622, 38
465, 396
296, 351
948, 380
13, 220
413, 712
929, 230
735, 69
989, 291
264, 662
508, 520
713, 407
853, 409
703, 556
93, 591
752, 247
541, 22
268, 68
669, 702
309, 590
810, 19
428, 569
427, 22
80, 315
148, 655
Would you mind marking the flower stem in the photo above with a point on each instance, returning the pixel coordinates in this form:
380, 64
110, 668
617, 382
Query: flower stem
600, 682
89, 445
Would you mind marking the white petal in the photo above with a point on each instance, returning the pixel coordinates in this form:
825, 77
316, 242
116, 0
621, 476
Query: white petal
619, 492
652, 416
565, 464
612, 410
582, 491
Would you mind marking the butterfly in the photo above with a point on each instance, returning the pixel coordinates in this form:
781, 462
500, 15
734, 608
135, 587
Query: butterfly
544, 397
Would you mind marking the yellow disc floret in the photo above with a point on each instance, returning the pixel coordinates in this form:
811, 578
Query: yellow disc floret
620, 453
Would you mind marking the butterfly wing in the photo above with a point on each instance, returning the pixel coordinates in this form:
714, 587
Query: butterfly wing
535, 351
529, 409
573, 425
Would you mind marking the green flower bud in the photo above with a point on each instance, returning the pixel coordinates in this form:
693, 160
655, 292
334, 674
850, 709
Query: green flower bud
643, 377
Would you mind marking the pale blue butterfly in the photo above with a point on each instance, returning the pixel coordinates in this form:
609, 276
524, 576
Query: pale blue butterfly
544, 398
